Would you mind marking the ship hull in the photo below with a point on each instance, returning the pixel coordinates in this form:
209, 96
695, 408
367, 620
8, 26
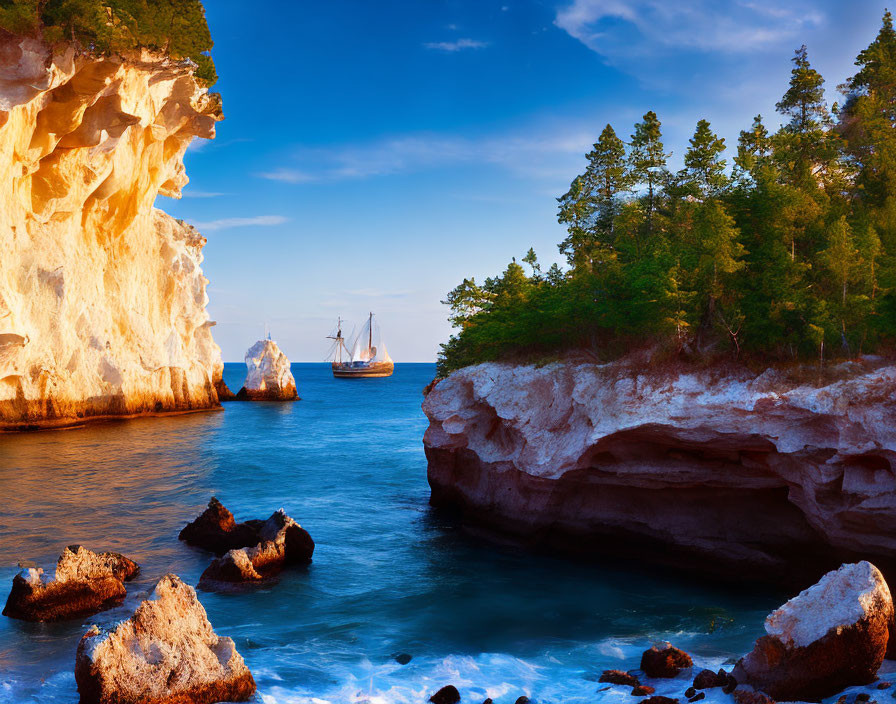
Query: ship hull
373, 371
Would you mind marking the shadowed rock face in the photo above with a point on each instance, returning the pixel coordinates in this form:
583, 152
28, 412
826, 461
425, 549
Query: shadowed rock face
102, 296
84, 583
216, 530
166, 653
829, 637
729, 472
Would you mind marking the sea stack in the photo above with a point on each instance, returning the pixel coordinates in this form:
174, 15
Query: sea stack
268, 375
102, 296
85, 582
166, 653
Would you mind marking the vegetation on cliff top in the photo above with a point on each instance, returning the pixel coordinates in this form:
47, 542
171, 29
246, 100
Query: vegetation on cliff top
789, 254
176, 27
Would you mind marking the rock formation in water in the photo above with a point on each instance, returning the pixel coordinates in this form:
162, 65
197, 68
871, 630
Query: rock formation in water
733, 471
251, 552
831, 636
166, 653
281, 542
84, 583
269, 377
102, 298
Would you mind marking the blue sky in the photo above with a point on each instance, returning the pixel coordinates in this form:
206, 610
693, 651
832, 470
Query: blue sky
376, 153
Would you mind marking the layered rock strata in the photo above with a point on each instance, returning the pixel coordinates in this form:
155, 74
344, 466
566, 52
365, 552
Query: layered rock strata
166, 653
831, 636
102, 296
738, 473
84, 583
268, 376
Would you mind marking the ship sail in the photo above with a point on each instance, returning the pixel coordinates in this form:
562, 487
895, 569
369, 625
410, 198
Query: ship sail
368, 356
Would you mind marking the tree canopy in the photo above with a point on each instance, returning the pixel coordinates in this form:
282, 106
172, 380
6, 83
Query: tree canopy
176, 27
787, 252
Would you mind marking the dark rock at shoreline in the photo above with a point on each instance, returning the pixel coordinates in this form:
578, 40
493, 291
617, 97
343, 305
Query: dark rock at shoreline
831, 636
659, 700
690, 692
707, 679
166, 653
84, 583
642, 690
697, 697
749, 696
403, 658
446, 695
619, 677
667, 661
522, 700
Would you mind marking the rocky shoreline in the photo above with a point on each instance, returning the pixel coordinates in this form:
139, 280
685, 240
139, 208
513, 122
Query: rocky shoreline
726, 472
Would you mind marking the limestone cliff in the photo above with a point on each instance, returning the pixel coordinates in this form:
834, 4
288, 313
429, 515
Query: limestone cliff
102, 298
720, 468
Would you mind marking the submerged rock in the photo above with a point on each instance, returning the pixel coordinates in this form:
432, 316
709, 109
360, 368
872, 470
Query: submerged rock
829, 637
84, 583
666, 661
724, 470
166, 653
282, 542
269, 377
619, 677
707, 679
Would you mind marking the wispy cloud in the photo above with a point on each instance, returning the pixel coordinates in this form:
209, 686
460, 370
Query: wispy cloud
190, 193
457, 45
616, 28
230, 223
542, 153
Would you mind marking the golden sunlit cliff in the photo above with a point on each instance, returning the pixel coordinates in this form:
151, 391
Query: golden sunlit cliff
102, 297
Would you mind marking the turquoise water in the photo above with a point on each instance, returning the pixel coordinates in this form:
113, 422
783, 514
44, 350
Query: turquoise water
389, 575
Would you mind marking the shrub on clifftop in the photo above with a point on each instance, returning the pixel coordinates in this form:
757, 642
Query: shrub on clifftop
176, 27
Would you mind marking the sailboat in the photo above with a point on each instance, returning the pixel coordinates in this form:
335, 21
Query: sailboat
366, 360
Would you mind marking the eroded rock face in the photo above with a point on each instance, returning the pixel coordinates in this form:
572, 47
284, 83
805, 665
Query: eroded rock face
166, 653
738, 473
281, 542
664, 661
84, 583
217, 531
269, 377
831, 636
102, 296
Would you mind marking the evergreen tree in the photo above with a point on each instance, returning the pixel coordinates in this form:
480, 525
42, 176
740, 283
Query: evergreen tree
648, 162
754, 148
704, 165
576, 211
608, 177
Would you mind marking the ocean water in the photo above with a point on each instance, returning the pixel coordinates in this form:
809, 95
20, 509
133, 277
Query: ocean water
389, 575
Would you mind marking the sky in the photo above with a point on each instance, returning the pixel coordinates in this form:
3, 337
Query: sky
374, 154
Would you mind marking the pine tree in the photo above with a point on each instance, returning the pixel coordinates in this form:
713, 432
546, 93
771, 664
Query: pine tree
704, 167
576, 211
607, 177
648, 161
754, 148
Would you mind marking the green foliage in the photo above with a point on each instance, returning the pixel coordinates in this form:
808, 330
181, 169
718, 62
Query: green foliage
176, 27
790, 256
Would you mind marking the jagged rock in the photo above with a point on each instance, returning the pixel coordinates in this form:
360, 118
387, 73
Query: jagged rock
707, 679
216, 530
166, 653
829, 637
446, 695
666, 661
269, 377
619, 677
282, 542
642, 690
102, 297
84, 583
723, 470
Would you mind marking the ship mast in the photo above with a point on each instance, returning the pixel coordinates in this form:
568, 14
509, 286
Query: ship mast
339, 340
370, 334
